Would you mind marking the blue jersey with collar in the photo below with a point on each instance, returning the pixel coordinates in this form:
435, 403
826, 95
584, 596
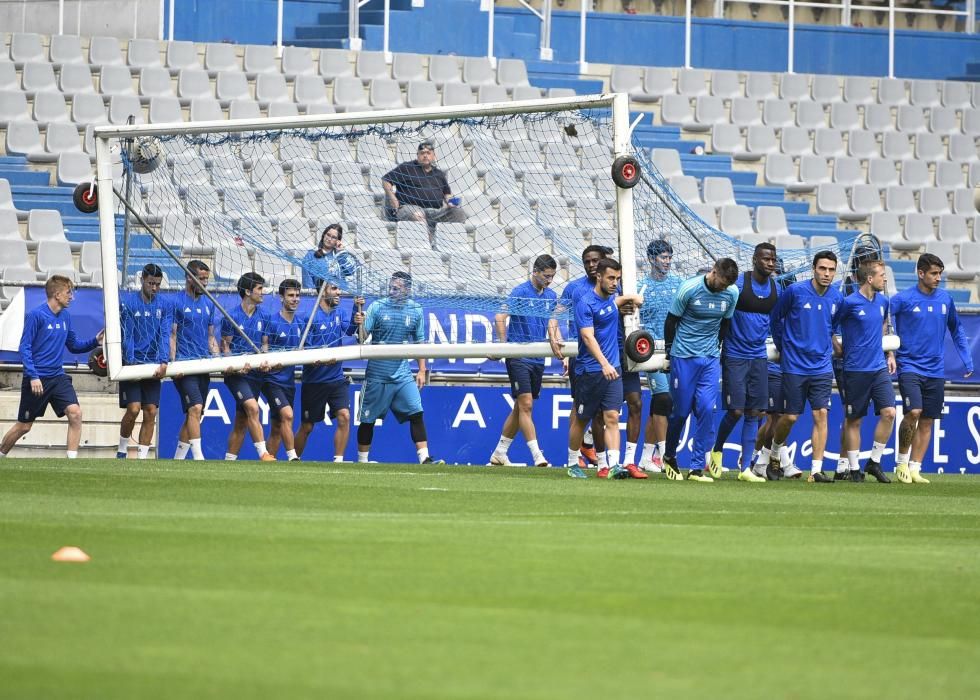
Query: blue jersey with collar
327, 330
284, 335
746, 339
602, 316
146, 327
921, 321
658, 295
700, 311
192, 322
393, 323
803, 326
570, 296
860, 321
42, 345
530, 329
254, 326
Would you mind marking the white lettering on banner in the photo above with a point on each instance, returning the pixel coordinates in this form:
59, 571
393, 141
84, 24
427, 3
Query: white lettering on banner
938, 434
263, 411
214, 407
473, 414
561, 407
437, 334
806, 449
510, 401
482, 322
972, 418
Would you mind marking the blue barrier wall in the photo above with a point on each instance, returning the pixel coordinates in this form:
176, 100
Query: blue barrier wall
458, 26
464, 426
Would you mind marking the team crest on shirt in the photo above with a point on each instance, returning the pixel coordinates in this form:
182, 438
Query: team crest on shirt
929, 308
944, 308
724, 306
882, 310
159, 313
408, 322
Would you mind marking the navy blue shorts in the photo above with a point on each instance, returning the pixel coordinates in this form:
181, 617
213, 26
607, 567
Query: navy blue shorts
775, 386
525, 377
278, 396
595, 393
572, 378
919, 392
315, 398
145, 392
861, 388
631, 383
58, 392
798, 389
745, 383
243, 388
193, 390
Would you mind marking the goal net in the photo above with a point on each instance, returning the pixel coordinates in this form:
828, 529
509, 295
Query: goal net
521, 180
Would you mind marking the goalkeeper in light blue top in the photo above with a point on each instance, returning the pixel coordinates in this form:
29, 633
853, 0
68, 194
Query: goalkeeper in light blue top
802, 325
658, 291
862, 317
388, 384
923, 315
695, 328
146, 318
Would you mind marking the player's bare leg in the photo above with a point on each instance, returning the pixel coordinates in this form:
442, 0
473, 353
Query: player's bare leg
147, 427
16, 432
341, 434
576, 432
126, 426
634, 424
780, 432
74, 415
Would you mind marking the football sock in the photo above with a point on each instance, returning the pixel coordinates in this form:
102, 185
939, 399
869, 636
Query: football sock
725, 429
182, 449
123, 444
573, 458
290, 454
338, 458
903, 457
502, 445
602, 460
915, 466
260, 448
230, 456
536, 454
72, 454
776, 449
784, 460
143, 451
196, 451
852, 459
423, 453
763, 456
842, 465
816, 465
587, 438
750, 428
647, 455
362, 457
877, 449
630, 454
661, 447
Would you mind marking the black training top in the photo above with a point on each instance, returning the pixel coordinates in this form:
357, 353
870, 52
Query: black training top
415, 186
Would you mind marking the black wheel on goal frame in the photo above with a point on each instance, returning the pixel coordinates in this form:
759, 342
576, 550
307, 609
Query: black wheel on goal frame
626, 172
86, 197
639, 346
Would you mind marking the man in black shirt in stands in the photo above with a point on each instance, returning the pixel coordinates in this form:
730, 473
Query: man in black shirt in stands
419, 191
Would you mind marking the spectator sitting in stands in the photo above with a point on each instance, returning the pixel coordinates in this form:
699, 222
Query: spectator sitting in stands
328, 259
419, 191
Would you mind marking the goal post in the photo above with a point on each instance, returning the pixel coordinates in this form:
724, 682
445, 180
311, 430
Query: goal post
599, 113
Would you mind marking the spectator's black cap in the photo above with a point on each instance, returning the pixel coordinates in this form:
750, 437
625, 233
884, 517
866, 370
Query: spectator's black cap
427, 145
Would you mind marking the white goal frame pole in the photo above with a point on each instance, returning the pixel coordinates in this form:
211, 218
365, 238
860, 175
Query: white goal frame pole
415, 351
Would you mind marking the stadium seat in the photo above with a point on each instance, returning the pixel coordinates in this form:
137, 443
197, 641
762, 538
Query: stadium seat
777, 113
452, 238
911, 119
886, 226
862, 144
8, 76
746, 112
891, 92
848, 171
900, 200
725, 84
657, 82
88, 110
964, 204
794, 87
155, 82
692, 82
844, 116
116, 80
858, 90
686, 187
309, 91
478, 71
878, 118
924, 93
717, 191
13, 107
260, 60
412, 235
865, 200
915, 173
13, 253
527, 92
122, 107
969, 257
934, 201
230, 86
443, 70
349, 95
955, 94
918, 231
7, 202
457, 94
814, 171
882, 172
205, 109
65, 50
297, 61
15, 273
771, 222
50, 107
407, 67
492, 93
706, 213
24, 139
963, 148
220, 58
182, 55
104, 51
142, 53
676, 110
667, 161
832, 199
825, 89
811, 115
736, 221
828, 143
26, 48
511, 73
38, 77
371, 65
942, 120
953, 229
759, 86
727, 139
335, 63
949, 175
896, 146
193, 84
795, 141
629, 79
62, 138
45, 225
90, 258
321, 204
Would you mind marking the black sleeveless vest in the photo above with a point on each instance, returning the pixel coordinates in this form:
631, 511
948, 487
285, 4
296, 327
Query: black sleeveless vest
749, 303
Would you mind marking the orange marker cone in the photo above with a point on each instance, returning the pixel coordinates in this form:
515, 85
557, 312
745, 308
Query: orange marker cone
73, 554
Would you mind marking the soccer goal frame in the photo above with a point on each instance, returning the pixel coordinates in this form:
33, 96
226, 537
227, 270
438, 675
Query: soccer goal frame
618, 104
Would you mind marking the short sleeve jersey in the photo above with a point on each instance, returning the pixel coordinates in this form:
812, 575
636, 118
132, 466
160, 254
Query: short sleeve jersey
602, 316
700, 311
525, 328
658, 295
327, 330
284, 335
393, 323
146, 327
921, 321
192, 318
806, 319
860, 320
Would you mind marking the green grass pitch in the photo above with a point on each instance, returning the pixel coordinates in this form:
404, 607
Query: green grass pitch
311, 580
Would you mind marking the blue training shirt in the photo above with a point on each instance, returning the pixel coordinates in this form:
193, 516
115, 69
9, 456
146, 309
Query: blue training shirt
327, 330
860, 320
530, 329
921, 320
746, 339
700, 311
393, 323
657, 295
602, 316
45, 337
255, 327
192, 319
284, 335
146, 327
570, 296
803, 326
